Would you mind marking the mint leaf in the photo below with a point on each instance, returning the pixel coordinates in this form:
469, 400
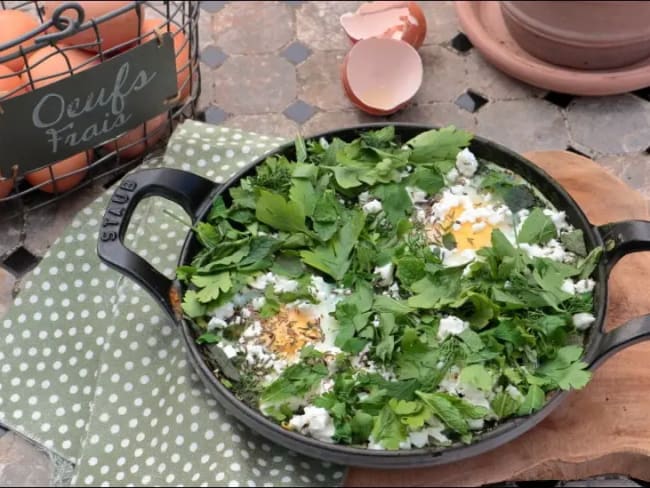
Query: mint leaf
427, 180
301, 149
334, 258
587, 265
445, 410
395, 201
361, 426
503, 405
574, 241
388, 430
302, 193
537, 228
275, 211
295, 381
477, 375
434, 144
533, 401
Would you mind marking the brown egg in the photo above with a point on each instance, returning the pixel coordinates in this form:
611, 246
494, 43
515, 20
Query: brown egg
381, 75
13, 24
395, 20
10, 83
49, 64
155, 131
44, 177
181, 48
6, 185
114, 32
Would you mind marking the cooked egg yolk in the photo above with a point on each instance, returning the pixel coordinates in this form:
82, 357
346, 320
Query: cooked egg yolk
288, 331
468, 235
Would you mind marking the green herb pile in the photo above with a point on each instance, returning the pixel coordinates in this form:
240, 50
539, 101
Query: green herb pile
302, 217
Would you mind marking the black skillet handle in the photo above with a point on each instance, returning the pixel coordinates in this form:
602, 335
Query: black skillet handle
187, 189
621, 238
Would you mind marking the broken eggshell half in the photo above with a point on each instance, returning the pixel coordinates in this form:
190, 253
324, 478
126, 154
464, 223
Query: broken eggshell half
396, 20
381, 75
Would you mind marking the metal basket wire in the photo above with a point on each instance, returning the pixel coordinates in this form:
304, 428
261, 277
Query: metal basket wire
105, 163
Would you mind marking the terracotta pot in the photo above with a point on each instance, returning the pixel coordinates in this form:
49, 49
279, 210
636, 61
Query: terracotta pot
581, 34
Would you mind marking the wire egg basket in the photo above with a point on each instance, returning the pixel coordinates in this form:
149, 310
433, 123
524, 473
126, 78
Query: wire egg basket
66, 27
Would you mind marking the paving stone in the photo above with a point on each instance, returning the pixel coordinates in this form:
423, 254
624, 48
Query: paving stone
610, 125
267, 124
461, 43
523, 125
7, 282
633, 169
470, 101
444, 77
10, 233
214, 115
325, 121
439, 114
296, 52
21, 464
317, 25
20, 262
253, 27
300, 111
255, 84
319, 81
44, 225
442, 23
212, 56
212, 7
208, 93
492, 83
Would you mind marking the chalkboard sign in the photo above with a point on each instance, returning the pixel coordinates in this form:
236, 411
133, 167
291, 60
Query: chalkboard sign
88, 108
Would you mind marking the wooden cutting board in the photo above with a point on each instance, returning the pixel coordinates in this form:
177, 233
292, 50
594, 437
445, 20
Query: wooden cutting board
602, 429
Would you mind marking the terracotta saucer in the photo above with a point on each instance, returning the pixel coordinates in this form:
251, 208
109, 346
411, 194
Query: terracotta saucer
482, 22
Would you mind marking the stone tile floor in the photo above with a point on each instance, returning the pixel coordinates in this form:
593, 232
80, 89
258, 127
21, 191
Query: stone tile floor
273, 68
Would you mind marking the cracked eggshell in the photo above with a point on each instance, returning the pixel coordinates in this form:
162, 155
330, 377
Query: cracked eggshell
380, 75
396, 20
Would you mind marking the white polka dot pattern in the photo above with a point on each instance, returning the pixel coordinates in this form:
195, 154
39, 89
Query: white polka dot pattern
97, 372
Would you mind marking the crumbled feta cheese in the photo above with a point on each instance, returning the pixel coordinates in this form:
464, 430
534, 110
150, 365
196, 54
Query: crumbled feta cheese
217, 323
420, 215
364, 197
319, 288
229, 351
456, 258
253, 330
245, 313
568, 286
553, 250
452, 176
262, 280
583, 320
585, 286
224, 312
375, 446
326, 385
385, 274
372, 207
284, 285
316, 422
451, 325
514, 393
466, 163
258, 302
416, 195
558, 218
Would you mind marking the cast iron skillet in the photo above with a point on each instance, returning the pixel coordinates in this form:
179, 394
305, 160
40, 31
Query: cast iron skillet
195, 194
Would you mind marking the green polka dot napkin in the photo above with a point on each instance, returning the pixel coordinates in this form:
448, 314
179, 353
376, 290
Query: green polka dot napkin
93, 370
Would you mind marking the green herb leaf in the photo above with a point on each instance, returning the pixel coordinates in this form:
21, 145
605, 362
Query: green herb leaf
445, 410
388, 430
519, 197
566, 371
574, 241
537, 228
434, 144
334, 258
477, 375
274, 210
192, 307
503, 405
533, 401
